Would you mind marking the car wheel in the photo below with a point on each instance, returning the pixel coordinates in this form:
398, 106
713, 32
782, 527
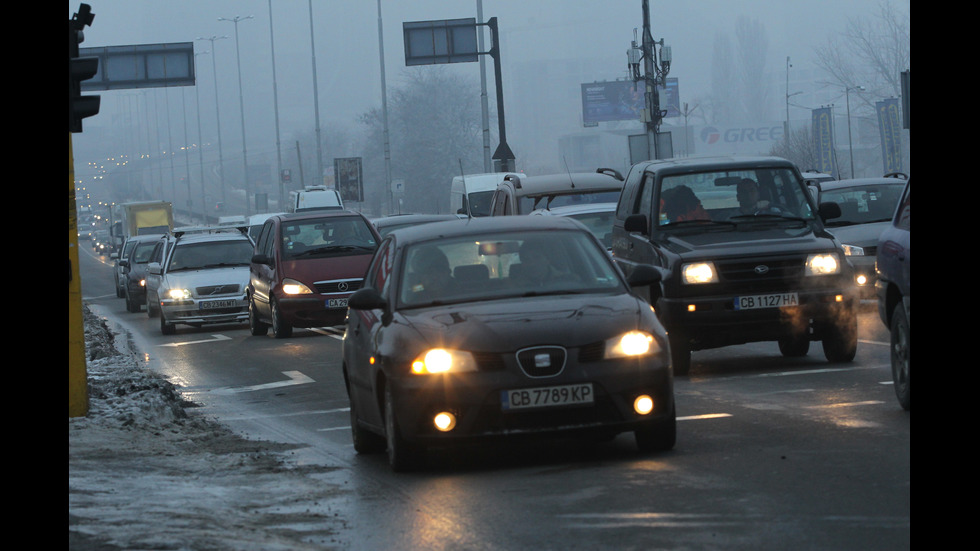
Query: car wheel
256, 326
795, 346
402, 456
280, 329
840, 341
680, 352
120, 290
365, 441
659, 436
150, 310
901, 344
166, 328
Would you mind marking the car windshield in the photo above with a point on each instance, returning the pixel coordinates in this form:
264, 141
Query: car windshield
141, 254
210, 254
334, 236
529, 203
732, 197
599, 223
505, 265
864, 204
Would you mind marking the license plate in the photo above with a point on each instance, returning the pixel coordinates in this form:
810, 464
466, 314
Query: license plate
551, 396
775, 300
214, 304
337, 303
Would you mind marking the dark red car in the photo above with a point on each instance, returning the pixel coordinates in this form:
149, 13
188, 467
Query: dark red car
305, 267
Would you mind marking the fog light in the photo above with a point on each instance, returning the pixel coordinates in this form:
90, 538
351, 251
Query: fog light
862, 279
643, 404
444, 421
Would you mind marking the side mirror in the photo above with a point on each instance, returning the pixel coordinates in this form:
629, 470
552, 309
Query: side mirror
643, 275
154, 268
636, 223
367, 299
829, 211
124, 263
261, 259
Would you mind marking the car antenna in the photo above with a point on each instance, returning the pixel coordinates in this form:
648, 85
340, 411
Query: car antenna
564, 160
469, 215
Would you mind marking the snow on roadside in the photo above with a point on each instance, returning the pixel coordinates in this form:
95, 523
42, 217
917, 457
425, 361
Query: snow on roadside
146, 472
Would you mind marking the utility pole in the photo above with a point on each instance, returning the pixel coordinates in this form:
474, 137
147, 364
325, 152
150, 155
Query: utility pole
654, 76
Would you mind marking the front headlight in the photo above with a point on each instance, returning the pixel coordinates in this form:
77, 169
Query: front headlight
441, 360
853, 250
178, 294
293, 287
699, 272
631, 345
822, 264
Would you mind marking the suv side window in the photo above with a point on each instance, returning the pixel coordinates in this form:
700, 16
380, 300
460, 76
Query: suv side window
904, 218
266, 239
646, 197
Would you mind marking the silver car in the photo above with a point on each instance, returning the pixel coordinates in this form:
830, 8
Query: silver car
202, 279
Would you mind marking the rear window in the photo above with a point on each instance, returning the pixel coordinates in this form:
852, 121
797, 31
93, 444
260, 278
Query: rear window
529, 203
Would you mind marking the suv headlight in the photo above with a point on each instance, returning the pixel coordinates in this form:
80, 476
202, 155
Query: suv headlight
853, 250
631, 345
293, 287
441, 360
822, 264
699, 272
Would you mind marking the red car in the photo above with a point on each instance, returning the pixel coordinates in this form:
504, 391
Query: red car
305, 267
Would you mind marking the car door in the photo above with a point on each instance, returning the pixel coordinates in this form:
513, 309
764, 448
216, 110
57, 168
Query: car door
262, 275
364, 328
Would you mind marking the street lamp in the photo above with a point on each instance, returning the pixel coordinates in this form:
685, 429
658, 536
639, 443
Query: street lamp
847, 100
217, 115
241, 106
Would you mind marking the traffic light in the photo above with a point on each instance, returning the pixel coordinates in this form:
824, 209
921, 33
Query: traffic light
79, 69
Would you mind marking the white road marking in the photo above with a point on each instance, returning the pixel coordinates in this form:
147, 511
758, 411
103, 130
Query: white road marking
295, 378
215, 339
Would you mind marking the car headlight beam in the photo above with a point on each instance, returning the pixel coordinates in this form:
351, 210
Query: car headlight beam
699, 272
442, 360
823, 264
177, 294
630, 345
293, 287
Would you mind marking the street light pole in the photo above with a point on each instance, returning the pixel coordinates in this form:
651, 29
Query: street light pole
850, 144
217, 115
241, 106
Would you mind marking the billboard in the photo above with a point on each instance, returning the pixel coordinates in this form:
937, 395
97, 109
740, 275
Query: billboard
618, 100
348, 178
890, 128
823, 139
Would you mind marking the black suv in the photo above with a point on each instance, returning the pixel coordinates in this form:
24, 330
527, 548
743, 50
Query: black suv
744, 256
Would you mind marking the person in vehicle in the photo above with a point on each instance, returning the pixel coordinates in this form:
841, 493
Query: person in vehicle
747, 193
431, 275
537, 267
680, 204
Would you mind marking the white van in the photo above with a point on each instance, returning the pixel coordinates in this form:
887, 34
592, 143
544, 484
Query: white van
471, 193
314, 198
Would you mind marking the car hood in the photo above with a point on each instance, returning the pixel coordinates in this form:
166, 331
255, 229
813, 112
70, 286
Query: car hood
310, 270
862, 235
190, 279
566, 320
774, 240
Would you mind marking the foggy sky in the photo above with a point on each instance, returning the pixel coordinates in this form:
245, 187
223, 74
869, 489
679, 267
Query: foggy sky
597, 34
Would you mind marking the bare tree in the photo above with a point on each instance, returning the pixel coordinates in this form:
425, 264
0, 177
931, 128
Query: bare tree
798, 146
738, 81
870, 52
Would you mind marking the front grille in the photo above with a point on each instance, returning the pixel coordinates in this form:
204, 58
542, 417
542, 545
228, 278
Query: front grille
760, 270
592, 352
338, 286
542, 361
213, 290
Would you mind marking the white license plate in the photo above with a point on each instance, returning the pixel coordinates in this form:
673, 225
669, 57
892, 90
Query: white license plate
214, 304
337, 303
565, 395
775, 300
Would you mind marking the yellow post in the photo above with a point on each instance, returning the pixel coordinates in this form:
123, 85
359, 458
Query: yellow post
77, 376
